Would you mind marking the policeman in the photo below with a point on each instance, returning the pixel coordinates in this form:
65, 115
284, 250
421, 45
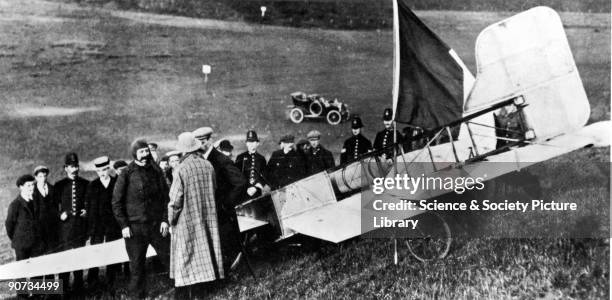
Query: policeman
285, 165
385, 137
73, 205
318, 158
252, 164
356, 145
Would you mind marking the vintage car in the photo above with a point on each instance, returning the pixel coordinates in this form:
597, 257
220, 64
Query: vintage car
315, 106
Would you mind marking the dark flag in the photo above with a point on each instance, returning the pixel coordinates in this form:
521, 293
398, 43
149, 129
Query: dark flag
429, 83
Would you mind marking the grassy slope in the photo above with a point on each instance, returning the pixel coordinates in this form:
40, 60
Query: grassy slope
141, 67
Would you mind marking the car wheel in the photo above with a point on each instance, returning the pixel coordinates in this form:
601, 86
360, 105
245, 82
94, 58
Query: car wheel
334, 117
296, 115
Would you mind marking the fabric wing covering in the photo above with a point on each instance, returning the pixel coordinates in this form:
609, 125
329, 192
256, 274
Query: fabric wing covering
430, 81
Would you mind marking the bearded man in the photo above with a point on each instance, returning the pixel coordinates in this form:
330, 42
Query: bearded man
139, 204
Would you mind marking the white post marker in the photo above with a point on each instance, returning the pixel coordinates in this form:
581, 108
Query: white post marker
263, 11
395, 258
206, 69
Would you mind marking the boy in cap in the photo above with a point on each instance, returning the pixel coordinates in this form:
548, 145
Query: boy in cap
48, 210
102, 224
356, 145
318, 158
285, 165
252, 165
231, 186
22, 225
140, 200
70, 193
385, 137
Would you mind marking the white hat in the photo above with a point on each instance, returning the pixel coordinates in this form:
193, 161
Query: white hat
101, 162
203, 133
187, 142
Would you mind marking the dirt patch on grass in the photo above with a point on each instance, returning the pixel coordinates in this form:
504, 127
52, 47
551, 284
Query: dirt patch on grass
29, 110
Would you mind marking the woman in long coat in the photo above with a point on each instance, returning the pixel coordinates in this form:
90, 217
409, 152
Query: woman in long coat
195, 254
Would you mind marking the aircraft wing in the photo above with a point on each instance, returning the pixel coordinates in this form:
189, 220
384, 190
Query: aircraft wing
69, 260
334, 222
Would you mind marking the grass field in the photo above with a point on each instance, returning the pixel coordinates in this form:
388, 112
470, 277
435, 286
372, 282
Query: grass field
91, 80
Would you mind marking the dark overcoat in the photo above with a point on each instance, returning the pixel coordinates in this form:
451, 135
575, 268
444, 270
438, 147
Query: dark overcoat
319, 159
73, 230
353, 147
102, 221
23, 226
140, 195
48, 214
252, 166
285, 168
230, 190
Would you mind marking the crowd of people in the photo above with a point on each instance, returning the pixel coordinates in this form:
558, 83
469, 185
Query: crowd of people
182, 204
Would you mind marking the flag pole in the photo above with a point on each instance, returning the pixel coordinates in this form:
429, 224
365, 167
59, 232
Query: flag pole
396, 71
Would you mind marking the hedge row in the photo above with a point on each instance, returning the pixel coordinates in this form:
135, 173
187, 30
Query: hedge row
344, 14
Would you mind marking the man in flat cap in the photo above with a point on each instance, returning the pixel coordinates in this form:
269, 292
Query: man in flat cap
140, 200
70, 193
226, 148
252, 165
102, 224
318, 158
385, 137
356, 145
22, 224
231, 186
48, 209
285, 165
196, 255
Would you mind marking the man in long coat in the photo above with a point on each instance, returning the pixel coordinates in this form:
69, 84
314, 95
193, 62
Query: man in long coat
231, 186
195, 251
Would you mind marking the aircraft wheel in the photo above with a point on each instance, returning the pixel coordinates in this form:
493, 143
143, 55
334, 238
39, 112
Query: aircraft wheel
316, 109
433, 238
296, 115
334, 117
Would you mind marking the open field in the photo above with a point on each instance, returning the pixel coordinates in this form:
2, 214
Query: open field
92, 80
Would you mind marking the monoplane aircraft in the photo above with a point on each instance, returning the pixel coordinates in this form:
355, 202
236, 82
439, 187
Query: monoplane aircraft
524, 68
